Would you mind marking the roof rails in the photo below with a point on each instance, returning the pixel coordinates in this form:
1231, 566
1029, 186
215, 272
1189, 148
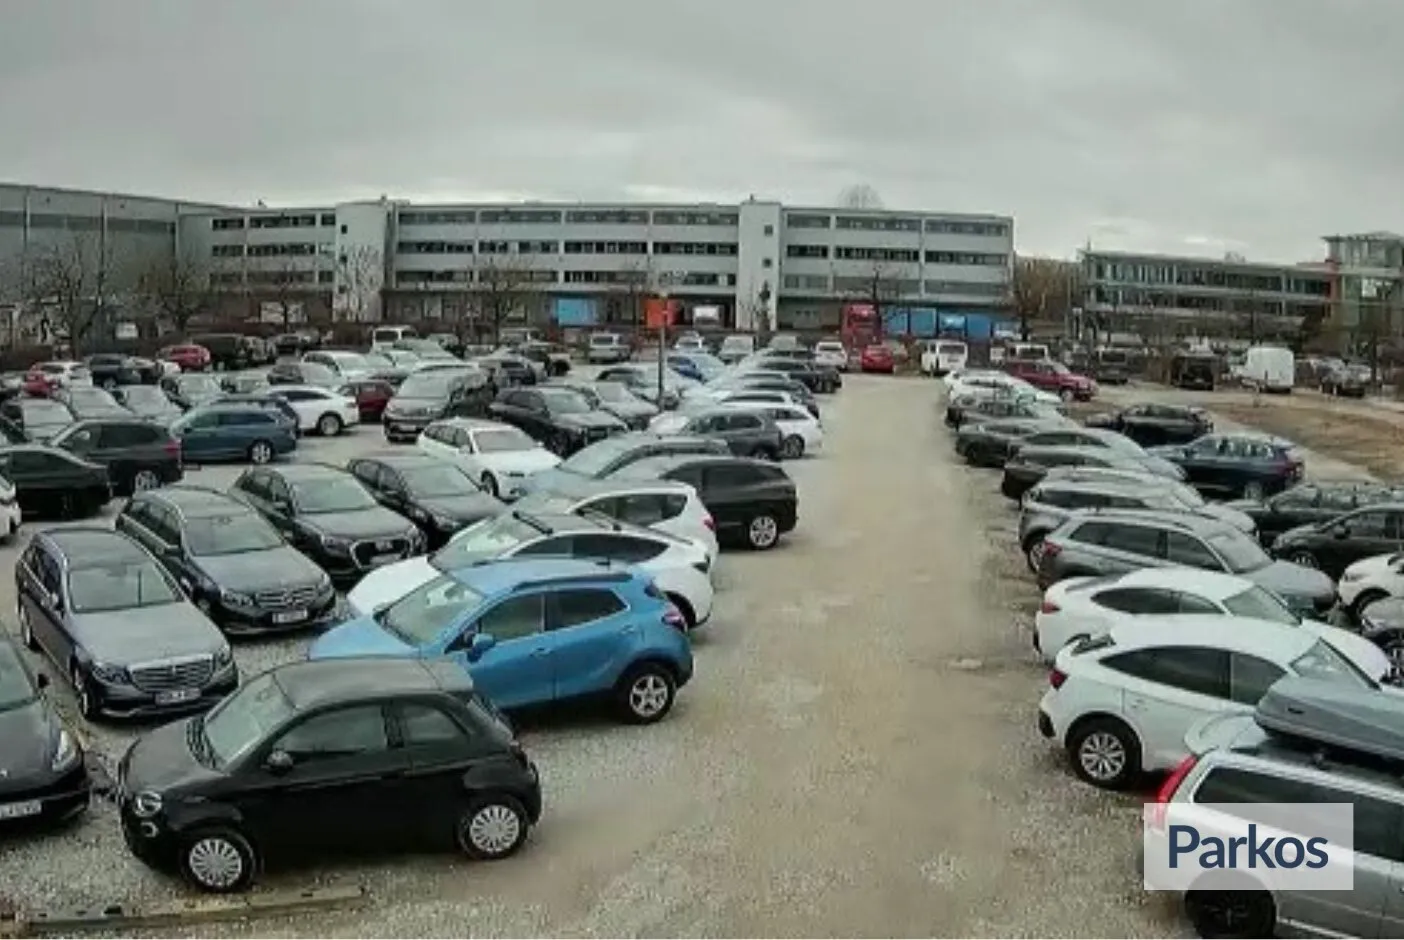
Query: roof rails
529, 519
602, 518
1322, 717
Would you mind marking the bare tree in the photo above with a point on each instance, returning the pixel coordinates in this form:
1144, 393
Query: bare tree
1043, 289
501, 287
860, 196
879, 288
629, 293
360, 276
178, 289
74, 283
284, 286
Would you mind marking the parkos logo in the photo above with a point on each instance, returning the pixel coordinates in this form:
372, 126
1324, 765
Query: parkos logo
1252, 851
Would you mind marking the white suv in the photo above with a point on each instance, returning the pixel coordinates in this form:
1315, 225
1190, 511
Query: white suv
664, 505
607, 347
498, 456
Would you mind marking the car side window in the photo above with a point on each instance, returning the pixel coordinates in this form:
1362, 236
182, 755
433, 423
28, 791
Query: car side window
1194, 604
1132, 539
32, 463
514, 618
1182, 549
1196, 669
425, 725
278, 491
1370, 525
644, 509
579, 606
1304, 497
623, 548
333, 735
1250, 676
1138, 601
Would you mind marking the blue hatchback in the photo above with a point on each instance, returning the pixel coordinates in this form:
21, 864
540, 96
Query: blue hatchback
535, 632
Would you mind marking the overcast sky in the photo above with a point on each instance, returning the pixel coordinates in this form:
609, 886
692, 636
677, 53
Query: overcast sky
1198, 126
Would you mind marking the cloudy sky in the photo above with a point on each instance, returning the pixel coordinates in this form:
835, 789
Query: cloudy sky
1199, 126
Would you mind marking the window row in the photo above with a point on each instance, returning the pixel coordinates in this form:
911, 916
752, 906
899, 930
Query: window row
886, 223
85, 223
542, 247
821, 282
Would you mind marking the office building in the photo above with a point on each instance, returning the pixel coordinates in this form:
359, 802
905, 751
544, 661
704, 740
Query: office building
1369, 288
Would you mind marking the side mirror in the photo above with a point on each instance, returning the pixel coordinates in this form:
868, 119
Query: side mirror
278, 762
479, 645
41, 680
1341, 531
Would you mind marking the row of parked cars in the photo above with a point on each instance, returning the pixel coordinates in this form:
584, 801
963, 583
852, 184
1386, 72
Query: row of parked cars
1249, 647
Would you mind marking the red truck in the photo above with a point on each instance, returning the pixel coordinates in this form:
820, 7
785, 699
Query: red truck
1050, 376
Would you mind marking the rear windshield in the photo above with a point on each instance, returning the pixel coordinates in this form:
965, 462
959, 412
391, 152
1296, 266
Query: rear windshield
1239, 552
1261, 604
1322, 661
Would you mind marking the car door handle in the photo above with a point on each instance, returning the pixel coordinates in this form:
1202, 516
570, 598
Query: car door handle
541, 651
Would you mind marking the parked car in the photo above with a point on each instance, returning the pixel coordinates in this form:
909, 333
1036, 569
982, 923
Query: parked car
1052, 377
551, 360
1154, 425
328, 515
91, 403
244, 383
109, 370
613, 454
800, 432
753, 502
320, 410
643, 382
304, 373
819, 379
217, 797
120, 628
1081, 608
942, 356
288, 344
1071, 435
147, 401
38, 418
1335, 544
234, 566
965, 408
271, 400
747, 433
1313, 503
192, 390
876, 357
1110, 541
46, 775
138, 454
429, 396
347, 366
1029, 464
538, 632
757, 395
189, 356
735, 347
558, 417
1240, 464
52, 482
1122, 704
616, 399
234, 431
45, 378
436, 496
684, 366
674, 508
990, 443
1346, 381
10, 513
1145, 481
607, 347
228, 351
501, 458
831, 353
371, 397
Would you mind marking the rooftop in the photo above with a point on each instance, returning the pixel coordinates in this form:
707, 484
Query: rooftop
310, 683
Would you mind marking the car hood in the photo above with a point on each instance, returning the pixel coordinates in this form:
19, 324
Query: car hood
1367, 567
589, 419
1292, 580
629, 409
1370, 659
160, 761
1168, 451
28, 735
359, 637
415, 405
277, 568
1245, 505
469, 507
1161, 467
1295, 533
1236, 518
147, 633
535, 460
371, 523
390, 583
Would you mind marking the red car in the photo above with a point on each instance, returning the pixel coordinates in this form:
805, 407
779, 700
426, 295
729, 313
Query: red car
877, 358
371, 397
1050, 376
189, 356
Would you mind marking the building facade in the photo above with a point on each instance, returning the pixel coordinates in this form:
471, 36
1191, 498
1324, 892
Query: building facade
1369, 290
1186, 296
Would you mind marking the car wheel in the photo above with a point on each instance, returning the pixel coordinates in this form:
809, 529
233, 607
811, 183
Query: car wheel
1253, 490
109, 384
219, 861
26, 628
1304, 558
492, 827
1365, 599
88, 705
792, 448
329, 425
560, 443
1105, 753
1033, 551
145, 480
260, 452
490, 484
762, 532
1066, 395
646, 693
1219, 913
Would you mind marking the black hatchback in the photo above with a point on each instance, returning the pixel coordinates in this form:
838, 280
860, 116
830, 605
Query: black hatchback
45, 779
400, 754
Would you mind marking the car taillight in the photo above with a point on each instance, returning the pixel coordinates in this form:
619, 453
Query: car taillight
1056, 678
710, 523
674, 618
1050, 549
1048, 607
172, 448
1167, 790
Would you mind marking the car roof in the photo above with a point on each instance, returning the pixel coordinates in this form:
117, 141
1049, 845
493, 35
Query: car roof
195, 501
1213, 585
402, 460
509, 574
294, 472
1256, 436
1166, 518
91, 547
1250, 635
576, 487
475, 424
311, 683
651, 467
280, 389
1092, 449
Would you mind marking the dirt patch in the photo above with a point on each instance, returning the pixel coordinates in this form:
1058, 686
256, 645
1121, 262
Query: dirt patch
1372, 441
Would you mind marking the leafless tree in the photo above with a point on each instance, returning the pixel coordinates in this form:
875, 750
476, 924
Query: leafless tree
74, 283
879, 288
860, 196
501, 286
360, 276
1043, 289
628, 294
285, 287
178, 289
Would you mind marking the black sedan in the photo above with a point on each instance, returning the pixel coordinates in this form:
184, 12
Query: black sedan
990, 443
1313, 503
1334, 545
45, 779
438, 497
1241, 464
54, 483
1156, 425
1028, 465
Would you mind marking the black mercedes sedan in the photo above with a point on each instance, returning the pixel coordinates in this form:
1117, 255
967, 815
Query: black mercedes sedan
330, 516
43, 777
437, 496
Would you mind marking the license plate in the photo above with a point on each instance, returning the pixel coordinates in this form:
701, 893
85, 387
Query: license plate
290, 616
384, 559
20, 810
176, 696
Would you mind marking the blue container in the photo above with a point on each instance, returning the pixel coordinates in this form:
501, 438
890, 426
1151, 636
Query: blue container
575, 311
922, 321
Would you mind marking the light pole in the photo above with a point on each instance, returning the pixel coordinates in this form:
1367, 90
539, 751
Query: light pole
664, 282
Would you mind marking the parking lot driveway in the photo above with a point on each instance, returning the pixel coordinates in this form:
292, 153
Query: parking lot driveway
856, 756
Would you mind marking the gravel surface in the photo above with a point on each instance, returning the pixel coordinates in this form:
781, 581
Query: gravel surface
857, 755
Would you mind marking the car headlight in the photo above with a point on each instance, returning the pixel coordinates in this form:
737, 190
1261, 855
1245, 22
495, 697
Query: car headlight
223, 657
66, 754
106, 672
235, 598
146, 804
325, 586
1349, 575
336, 543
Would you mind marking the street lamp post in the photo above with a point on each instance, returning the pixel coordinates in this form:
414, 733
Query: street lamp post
663, 283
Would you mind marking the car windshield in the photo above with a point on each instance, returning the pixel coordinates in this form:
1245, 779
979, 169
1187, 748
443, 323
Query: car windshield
1239, 552
502, 441
40, 413
120, 586
593, 460
315, 373
146, 395
592, 397
434, 385
1323, 661
15, 687
84, 398
1261, 604
237, 725
603, 340
613, 392
564, 402
445, 480
349, 362
377, 360
194, 385
421, 616
331, 494
488, 539
231, 534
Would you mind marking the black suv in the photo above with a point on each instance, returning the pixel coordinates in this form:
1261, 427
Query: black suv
228, 350
1312, 503
820, 379
1156, 425
330, 516
747, 432
233, 564
426, 397
400, 754
752, 501
110, 370
611, 455
138, 454
558, 417
1239, 464
1338, 543
437, 496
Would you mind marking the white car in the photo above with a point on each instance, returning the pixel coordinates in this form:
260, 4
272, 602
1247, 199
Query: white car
803, 433
1120, 704
665, 505
831, 353
320, 409
987, 382
345, 365
690, 343
1371, 579
681, 569
498, 456
1084, 607
65, 373
10, 515
943, 356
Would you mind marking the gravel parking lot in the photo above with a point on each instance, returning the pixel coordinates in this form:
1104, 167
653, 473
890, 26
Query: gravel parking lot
857, 754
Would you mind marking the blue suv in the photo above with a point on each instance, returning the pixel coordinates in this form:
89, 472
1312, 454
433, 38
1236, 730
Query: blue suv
233, 432
536, 632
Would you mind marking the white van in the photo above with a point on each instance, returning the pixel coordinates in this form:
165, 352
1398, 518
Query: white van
607, 348
386, 336
1269, 369
1034, 351
942, 356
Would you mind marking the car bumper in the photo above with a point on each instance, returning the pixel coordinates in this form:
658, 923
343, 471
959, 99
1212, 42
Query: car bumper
130, 702
402, 428
1045, 725
47, 804
240, 621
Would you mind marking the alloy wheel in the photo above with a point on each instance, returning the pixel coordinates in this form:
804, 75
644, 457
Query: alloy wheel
763, 531
145, 480
494, 829
215, 863
260, 452
648, 696
1102, 756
